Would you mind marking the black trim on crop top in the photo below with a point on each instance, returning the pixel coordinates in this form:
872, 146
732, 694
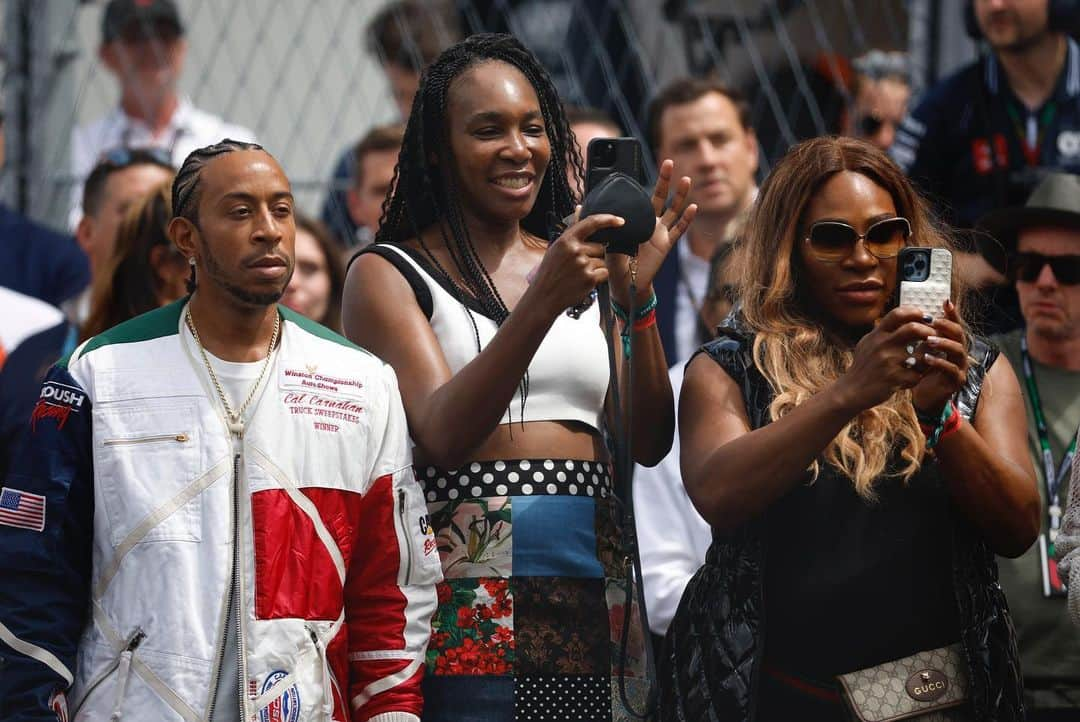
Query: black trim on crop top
420, 289
423, 294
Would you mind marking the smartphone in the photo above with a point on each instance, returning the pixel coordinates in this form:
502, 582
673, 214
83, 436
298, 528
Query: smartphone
925, 279
605, 156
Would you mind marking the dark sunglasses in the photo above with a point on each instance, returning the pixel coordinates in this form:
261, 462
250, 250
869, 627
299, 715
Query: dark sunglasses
1027, 267
870, 125
123, 156
833, 241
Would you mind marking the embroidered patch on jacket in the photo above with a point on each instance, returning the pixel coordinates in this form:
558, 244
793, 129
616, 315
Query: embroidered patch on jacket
56, 401
311, 379
284, 708
22, 509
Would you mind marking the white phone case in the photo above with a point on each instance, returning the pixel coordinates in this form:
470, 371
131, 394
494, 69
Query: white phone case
930, 295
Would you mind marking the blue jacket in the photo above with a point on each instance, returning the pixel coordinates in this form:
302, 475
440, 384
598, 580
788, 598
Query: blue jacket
39, 262
49, 604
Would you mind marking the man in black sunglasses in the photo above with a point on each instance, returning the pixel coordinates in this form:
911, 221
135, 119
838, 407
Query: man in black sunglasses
879, 97
1038, 247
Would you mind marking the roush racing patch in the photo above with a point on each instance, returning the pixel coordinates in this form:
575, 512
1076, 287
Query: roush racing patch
57, 401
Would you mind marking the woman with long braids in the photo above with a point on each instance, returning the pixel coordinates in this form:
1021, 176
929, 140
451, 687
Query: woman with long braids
859, 467
505, 390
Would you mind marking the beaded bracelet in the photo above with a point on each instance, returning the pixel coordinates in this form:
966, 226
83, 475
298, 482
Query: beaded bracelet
639, 313
647, 321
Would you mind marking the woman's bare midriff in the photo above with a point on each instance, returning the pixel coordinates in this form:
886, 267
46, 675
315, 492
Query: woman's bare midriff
535, 440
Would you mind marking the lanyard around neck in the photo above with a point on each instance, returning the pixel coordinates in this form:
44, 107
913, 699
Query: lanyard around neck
1045, 118
1053, 475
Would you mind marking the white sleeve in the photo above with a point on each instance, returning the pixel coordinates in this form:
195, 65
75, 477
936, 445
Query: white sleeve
672, 536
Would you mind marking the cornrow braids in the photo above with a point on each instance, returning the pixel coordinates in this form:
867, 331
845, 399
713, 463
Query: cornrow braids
185, 188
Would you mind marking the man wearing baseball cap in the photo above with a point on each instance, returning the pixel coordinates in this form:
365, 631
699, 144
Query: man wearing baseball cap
1038, 247
143, 45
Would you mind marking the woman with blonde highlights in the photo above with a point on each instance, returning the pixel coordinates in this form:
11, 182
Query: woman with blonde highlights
859, 466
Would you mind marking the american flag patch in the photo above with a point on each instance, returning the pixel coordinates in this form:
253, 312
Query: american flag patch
22, 509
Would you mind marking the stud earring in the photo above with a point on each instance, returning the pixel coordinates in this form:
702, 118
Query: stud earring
191, 261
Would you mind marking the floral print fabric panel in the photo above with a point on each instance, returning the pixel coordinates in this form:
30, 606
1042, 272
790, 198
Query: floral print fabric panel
472, 631
473, 536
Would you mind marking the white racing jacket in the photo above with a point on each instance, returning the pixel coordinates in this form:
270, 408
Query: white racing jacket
121, 588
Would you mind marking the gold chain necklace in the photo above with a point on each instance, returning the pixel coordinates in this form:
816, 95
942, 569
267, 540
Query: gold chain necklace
235, 420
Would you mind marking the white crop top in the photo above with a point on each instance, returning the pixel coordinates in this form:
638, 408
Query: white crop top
568, 375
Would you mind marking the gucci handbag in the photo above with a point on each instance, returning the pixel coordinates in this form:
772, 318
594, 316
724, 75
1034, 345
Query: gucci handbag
930, 686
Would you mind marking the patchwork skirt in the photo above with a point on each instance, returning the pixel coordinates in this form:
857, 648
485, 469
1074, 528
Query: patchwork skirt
531, 613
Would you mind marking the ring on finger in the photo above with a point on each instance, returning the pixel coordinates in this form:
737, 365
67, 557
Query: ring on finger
910, 348
910, 362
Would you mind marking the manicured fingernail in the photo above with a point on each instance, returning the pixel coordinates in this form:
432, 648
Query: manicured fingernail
927, 318
933, 340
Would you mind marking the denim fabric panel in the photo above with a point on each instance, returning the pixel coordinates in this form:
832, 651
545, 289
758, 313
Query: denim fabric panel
555, 536
468, 699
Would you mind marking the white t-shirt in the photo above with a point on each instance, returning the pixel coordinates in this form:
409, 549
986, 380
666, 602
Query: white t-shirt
672, 536
236, 380
188, 129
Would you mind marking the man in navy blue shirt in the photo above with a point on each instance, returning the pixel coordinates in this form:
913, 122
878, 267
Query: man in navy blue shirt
984, 137
36, 261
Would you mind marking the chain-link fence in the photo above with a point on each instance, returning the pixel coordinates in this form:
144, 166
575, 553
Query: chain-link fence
301, 76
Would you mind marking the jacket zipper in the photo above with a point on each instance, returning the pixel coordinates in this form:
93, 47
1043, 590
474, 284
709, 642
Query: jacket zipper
405, 535
328, 674
231, 599
180, 438
129, 650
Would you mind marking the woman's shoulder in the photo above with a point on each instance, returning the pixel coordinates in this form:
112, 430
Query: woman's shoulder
733, 346
403, 261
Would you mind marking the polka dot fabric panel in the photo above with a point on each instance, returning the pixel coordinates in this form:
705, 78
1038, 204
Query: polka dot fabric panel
535, 593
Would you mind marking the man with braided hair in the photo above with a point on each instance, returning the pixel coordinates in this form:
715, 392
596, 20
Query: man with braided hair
215, 517
465, 297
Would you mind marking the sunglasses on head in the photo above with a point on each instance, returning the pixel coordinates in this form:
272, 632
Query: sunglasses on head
1027, 267
833, 241
122, 157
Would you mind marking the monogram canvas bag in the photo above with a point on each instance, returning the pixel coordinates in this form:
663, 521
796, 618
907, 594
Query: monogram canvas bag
930, 686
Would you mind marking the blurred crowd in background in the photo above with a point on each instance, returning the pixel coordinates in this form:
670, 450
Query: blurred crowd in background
978, 102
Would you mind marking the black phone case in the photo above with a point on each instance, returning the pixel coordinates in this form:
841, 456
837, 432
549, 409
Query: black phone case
627, 160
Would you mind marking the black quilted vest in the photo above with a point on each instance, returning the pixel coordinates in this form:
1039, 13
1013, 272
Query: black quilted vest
709, 668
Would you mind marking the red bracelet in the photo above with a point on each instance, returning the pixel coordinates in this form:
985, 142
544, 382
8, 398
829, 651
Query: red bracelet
951, 424
646, 321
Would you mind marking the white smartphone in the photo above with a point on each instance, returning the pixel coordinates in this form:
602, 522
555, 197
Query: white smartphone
925, 278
